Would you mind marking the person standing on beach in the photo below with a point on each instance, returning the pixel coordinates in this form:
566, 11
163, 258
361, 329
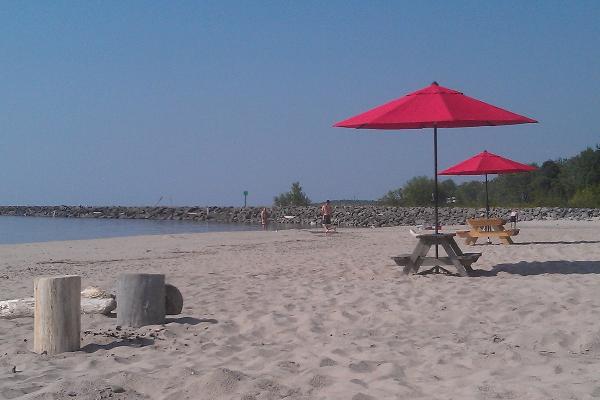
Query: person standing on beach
264, 218
513, 219
326, 212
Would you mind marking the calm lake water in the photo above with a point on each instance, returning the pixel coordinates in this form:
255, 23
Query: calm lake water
40, 229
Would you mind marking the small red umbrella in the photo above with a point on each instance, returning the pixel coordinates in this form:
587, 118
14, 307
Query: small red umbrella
486, 163
433, 107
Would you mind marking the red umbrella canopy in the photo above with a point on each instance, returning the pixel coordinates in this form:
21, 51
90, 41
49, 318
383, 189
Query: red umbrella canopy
487, 163
433, 106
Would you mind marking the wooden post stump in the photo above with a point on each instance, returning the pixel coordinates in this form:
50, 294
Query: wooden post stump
57, 318
140, 299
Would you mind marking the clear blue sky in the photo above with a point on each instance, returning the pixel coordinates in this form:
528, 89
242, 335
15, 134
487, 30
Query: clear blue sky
105, 103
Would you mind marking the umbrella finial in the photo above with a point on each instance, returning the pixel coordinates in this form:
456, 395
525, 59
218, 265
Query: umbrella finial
435, 83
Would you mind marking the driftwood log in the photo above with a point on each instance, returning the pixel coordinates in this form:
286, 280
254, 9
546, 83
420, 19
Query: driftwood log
141, 299
93, 301
57, 314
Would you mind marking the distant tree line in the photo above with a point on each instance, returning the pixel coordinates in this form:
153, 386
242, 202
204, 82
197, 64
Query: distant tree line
572, 182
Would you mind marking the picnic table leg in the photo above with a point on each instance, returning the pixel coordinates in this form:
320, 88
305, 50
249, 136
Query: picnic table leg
416, 257
455, 247
503, 240
454, 257
472, 240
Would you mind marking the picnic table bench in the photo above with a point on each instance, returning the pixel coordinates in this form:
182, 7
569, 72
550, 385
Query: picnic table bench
455, 257
487, 227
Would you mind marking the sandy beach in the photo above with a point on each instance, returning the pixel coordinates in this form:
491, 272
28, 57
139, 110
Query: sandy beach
297, 315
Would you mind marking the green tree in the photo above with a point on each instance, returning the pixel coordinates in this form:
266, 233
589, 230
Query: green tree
295, 197
392, 198
580, 171
546, 187
470, 194
446, 191
418, 192
511, 190
573, 182
588, 197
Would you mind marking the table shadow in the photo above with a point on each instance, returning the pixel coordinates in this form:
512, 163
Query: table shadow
525, 268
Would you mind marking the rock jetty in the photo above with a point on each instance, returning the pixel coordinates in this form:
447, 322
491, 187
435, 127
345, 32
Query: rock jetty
348, 215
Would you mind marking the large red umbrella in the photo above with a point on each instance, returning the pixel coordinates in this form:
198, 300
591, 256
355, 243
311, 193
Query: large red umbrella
486, 163
433, 107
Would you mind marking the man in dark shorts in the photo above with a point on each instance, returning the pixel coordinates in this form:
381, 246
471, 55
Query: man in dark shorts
326, 212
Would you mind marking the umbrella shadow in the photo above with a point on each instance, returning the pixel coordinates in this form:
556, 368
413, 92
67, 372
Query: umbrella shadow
524, 268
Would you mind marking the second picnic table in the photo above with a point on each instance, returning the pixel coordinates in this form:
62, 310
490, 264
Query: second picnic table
487, 227
455, 257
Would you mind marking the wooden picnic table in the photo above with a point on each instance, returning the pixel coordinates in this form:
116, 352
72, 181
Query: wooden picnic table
455, 257
488, 228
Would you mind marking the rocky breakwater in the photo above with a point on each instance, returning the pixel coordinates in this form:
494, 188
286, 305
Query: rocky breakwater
367, 216
204, 214
350, 216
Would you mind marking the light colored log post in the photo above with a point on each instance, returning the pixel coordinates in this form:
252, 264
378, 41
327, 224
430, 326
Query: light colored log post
57, 318
140, 299
19, 308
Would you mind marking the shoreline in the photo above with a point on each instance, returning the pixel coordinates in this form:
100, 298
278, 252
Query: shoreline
15, 230
559, 223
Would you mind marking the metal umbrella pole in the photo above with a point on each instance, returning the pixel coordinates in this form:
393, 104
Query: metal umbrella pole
487, 200
487, 207
436, 268
435, 177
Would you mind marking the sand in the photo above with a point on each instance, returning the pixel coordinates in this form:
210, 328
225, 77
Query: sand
297, 315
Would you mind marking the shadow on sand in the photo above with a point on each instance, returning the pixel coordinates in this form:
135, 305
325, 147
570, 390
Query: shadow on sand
561, 242
190, 320
137, 342
536, 242
543, 267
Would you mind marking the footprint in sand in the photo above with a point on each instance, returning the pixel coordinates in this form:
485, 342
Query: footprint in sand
362, 396
339, 352
289, 366
558, 369
362, 367
327, 362
359, 382
320, 381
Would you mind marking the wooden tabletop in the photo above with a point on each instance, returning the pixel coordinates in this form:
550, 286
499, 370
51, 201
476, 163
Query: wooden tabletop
480, 222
